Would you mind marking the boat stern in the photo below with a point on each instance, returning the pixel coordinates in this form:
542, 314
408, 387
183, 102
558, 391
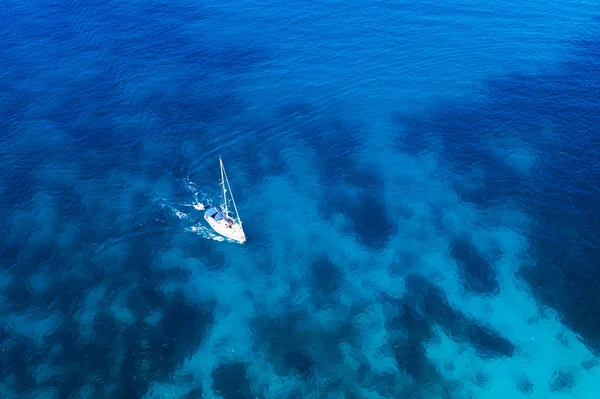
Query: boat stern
226, 227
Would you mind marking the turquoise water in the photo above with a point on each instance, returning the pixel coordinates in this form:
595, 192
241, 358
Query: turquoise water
418, 183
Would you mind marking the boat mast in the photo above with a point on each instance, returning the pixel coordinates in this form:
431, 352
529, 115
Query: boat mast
224, 174
223, 184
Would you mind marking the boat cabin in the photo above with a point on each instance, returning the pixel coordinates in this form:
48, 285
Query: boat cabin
217, 215
214, 213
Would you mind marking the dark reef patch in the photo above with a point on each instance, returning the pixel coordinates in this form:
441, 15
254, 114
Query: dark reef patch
487, 342
413, 136
561, 381
327, 277
196, 393
300, 361
589, 364
16, 358
478, 275
481, 379
369, 220
230, 380
182, 328
525, 386
337, 142
409, 352
409, 330
294, 347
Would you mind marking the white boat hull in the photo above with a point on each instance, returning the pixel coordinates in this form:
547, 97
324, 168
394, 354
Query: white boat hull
224, 225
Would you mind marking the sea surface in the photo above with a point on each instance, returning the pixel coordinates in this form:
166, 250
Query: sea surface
419, 183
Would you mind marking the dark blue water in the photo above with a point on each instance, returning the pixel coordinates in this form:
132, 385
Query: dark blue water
418, 183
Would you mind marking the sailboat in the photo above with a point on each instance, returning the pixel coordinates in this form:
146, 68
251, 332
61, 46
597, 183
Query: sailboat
218, 217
